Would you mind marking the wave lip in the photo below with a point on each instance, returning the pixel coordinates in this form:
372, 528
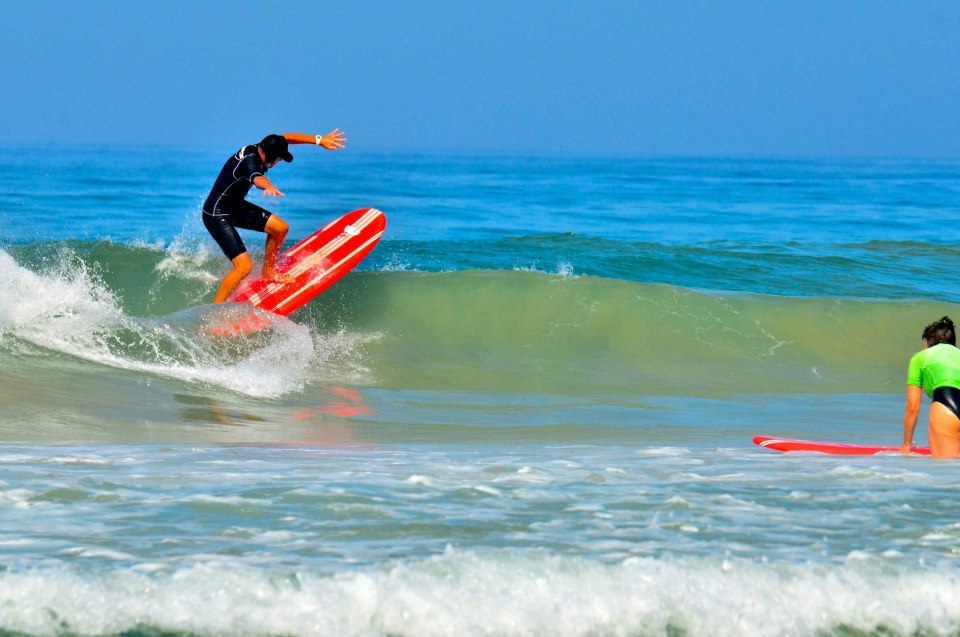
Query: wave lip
68, 310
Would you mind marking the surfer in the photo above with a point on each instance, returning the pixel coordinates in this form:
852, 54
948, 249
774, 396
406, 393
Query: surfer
226, 208
935, 370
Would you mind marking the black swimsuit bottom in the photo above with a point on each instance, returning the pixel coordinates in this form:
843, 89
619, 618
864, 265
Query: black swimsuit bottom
949, 397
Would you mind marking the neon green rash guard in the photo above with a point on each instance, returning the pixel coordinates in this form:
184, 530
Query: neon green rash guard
937, 366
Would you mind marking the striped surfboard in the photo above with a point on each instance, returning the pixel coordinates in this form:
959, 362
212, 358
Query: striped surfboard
831, 448
315, 263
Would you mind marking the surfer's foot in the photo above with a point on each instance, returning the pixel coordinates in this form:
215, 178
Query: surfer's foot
273, 277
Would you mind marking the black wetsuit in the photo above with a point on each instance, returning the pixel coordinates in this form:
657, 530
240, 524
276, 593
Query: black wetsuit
225, 209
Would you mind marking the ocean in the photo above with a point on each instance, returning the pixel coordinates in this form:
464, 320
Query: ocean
528, 412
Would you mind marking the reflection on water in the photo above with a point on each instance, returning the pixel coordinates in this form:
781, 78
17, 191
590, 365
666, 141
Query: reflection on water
318, 424
210, 410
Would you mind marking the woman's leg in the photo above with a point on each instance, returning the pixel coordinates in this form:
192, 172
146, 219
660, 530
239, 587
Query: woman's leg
943, 432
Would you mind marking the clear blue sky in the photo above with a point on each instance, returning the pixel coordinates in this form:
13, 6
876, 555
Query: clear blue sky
836, 78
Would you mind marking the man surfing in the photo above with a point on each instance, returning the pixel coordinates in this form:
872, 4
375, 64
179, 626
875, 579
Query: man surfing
226, 208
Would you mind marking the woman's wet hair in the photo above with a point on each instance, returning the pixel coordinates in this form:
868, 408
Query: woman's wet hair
940, 332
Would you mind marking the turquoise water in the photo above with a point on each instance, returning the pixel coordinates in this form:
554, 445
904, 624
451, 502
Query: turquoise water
528, 412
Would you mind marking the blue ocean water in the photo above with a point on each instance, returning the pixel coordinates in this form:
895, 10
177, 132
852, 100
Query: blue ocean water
528, 412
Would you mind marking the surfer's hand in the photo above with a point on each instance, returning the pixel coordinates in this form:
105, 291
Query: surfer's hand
273, 191
333, 140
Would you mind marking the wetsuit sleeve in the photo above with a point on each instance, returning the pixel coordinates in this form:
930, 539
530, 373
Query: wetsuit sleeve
915, 370
248, 168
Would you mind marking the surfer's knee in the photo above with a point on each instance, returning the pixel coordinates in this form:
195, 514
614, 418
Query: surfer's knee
276, 226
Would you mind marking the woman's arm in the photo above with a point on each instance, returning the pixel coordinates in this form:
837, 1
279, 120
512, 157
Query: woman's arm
333, 140
910, 413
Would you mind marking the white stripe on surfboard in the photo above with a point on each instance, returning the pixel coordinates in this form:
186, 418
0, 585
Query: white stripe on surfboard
772, 441
297, 248
318, 278
313, 266
365, 220
310, 262
275, 286
315, 237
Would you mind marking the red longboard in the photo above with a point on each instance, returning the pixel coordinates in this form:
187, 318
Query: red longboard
315, 263
832, 448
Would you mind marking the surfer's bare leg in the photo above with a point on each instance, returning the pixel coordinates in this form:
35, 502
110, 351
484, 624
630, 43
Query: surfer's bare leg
943, 432
276, 230
242, 266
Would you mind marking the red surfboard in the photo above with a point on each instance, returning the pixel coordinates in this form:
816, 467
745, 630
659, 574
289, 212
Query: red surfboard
832, 448
315, 263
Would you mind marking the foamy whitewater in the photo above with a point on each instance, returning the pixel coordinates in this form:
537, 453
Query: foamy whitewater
528, 412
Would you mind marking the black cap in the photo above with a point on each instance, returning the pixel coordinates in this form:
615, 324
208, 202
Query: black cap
275, 147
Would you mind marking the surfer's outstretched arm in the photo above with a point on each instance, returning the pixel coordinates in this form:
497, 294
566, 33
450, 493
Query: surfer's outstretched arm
334, 140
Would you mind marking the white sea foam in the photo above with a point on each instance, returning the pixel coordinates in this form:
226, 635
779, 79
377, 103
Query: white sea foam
467, 593
68, 310
563, 270
189, 256
185, 263
396, 264
57, 303
16, 498
80, 551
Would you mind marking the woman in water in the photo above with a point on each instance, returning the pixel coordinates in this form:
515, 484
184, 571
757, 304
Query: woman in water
935, 370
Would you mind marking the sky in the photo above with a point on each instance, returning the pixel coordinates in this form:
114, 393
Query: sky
842, 78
